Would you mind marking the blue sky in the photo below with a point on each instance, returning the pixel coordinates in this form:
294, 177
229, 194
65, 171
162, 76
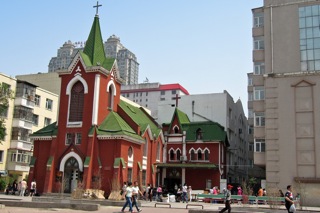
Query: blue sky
204, 45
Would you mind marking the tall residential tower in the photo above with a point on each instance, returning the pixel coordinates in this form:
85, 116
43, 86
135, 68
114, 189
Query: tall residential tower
126, 60
284, 95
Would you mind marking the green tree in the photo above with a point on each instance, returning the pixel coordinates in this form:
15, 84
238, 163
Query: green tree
6, 94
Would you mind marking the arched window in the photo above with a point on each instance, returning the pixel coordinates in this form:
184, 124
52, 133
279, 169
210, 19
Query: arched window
130, 153
110, 98
192, 155
176, 130
76, 102
199, 134
158, 151
178, 154
145, 147
199, 154
206, 155
171, 154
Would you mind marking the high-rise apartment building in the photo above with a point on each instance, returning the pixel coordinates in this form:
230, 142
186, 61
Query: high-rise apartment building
284, 95
126, 60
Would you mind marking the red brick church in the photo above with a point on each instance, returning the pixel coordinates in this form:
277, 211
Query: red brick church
194, 153
100, 139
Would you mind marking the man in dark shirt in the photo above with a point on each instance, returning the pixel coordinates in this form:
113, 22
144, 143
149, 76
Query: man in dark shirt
288, 198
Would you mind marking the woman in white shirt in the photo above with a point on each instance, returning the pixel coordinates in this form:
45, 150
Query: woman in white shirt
128, 196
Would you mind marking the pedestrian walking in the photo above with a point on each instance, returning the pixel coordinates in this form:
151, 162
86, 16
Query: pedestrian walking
227, 199
33, 187
150, 192
135, 193
289, 203
23, 187
185, 193
128, 196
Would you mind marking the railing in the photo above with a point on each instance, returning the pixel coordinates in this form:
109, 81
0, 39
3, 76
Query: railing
239, 198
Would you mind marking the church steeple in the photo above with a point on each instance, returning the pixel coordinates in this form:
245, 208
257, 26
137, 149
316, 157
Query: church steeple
94, 48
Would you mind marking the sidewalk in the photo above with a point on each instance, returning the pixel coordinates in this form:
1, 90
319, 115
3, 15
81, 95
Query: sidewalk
147, 206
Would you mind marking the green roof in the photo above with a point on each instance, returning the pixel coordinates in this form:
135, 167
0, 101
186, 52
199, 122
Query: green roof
140, 117
50, 130
183, 117
115, 125
211, 131
49, 162
93, 53
86, 161
118, 161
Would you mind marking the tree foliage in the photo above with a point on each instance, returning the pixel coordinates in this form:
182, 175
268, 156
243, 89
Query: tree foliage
6, 94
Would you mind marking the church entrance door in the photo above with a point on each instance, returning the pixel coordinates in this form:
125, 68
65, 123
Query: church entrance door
71, 172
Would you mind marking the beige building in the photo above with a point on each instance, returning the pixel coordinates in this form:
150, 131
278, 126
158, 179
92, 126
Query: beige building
284, 95
31, 109
48, 81
7, 115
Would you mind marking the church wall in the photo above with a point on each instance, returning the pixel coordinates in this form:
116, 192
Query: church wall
42, 154
193, 180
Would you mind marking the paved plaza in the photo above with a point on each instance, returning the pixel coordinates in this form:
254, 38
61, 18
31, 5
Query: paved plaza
150, 207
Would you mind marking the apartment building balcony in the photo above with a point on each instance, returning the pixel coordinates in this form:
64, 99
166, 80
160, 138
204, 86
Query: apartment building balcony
258, 55
18, 160
22, 123
250, 104
27, 101
18, 166
259, 132
258, 106
259, 158
257, 80
21, 144
257, 31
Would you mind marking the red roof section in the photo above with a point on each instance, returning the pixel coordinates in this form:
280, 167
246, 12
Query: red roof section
173, 87
160, 88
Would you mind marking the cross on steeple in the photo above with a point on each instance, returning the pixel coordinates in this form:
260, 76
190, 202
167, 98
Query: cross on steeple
176, 98
97, 7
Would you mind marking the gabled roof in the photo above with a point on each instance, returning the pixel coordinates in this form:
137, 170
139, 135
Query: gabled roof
140, 117
93, 53
181, 116
115, 125
211, 131
48, 131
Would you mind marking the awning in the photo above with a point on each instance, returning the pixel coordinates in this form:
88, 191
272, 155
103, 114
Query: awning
118, 161
32, 161
99, 162
49, 162
87, 161
188, 165
139, 166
